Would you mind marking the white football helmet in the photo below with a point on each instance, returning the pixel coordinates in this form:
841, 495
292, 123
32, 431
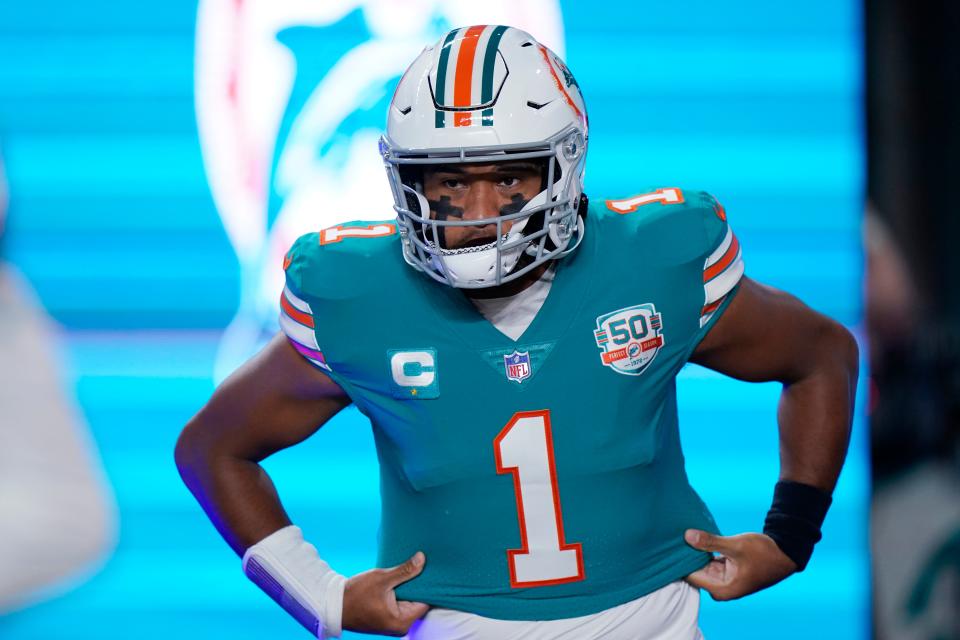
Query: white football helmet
487, 94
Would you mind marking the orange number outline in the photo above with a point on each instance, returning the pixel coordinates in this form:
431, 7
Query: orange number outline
669, 195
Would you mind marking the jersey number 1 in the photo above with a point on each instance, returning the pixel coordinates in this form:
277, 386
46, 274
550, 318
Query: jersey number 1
663, 196
335, 234
524, 448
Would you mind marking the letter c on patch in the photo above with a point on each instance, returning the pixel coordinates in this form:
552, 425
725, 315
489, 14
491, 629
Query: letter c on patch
413, 368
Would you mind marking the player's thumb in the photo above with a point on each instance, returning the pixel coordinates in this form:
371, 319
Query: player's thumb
407, 570
705, 541
704, 579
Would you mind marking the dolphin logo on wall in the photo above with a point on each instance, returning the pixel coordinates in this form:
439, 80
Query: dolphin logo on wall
291, 98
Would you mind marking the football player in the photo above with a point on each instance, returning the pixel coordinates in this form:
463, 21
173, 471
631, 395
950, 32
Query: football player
515, 347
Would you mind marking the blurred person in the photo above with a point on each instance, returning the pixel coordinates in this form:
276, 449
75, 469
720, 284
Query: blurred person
58, 519
515, 347
915, 511
913, 316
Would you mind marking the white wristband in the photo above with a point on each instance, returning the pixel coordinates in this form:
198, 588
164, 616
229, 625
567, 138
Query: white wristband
291, 572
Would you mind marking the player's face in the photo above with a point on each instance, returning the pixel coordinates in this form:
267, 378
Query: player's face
478, 192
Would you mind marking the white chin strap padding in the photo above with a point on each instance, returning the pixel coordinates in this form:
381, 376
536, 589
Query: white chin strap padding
424, 205
481, 266
475, 266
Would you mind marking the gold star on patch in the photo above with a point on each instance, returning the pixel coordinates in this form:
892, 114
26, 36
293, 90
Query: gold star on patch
413, 392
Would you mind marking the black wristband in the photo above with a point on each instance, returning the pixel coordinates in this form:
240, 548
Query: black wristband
795, 518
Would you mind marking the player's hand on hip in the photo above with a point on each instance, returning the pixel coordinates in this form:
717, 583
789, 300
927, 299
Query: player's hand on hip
747, 563
370, 605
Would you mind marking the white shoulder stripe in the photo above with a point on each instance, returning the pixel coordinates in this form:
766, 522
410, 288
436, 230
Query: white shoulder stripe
296, 331
324, 365
724, 281
297, 303
719, 251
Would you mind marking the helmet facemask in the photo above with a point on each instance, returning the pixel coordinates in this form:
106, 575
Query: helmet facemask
546, 227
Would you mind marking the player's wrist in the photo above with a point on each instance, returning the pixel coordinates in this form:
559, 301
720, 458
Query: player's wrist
333, 605
795, 519
291, 572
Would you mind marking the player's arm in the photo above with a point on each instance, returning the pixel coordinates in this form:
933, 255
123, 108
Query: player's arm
768, 335
272, 402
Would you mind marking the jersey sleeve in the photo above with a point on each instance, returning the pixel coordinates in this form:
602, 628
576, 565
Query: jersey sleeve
722, 260
296, 310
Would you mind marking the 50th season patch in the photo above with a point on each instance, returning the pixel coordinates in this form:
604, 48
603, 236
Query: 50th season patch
629, 338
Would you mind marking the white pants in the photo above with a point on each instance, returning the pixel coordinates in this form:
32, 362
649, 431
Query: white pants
670, 613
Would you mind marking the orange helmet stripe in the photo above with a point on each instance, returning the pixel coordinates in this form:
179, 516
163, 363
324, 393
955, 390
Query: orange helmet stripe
463, 84
556, 79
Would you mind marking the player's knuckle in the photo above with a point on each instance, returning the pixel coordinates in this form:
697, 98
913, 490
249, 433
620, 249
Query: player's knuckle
721, 595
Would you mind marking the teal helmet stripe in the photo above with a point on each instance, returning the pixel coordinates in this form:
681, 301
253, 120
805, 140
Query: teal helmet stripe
442, 77
489, 63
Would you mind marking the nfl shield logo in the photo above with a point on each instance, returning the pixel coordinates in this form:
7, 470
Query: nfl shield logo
517, 366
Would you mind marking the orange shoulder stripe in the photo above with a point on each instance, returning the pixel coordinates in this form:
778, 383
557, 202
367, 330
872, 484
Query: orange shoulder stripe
303, 318
717, 268
712, 306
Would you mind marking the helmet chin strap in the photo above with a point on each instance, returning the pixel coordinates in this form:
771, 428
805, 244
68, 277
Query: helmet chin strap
581, 229
482, 266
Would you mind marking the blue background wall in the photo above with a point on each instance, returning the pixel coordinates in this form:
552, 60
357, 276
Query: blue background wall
112, 221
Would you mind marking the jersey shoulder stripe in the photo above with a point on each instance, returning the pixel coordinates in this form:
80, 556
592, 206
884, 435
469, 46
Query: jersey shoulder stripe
314, 356
722, 256
722, 269
296, 308
296, 321
315, 268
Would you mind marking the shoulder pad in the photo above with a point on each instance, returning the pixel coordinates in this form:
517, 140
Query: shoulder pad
334, 261
676, 225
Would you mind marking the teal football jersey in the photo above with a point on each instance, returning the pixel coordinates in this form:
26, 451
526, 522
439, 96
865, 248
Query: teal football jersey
543, 478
